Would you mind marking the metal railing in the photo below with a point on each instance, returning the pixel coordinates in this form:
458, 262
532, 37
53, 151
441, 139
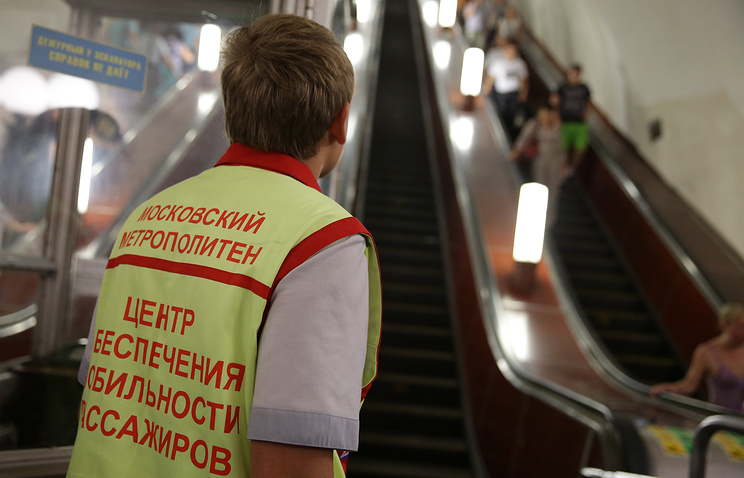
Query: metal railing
703, 433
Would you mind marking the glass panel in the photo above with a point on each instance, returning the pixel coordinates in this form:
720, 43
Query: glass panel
28, 125
134, 133
171, 53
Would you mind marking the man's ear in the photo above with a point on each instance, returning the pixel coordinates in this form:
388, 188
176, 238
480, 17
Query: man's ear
338, 128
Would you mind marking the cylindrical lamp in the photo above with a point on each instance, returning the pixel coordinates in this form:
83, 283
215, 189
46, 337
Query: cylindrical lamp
471, 78
447, 13
529, 234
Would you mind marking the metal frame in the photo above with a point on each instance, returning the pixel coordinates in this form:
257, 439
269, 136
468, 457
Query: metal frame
703, 433
62, 215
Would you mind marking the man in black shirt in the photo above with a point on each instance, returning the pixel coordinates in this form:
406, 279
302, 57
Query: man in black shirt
572, 100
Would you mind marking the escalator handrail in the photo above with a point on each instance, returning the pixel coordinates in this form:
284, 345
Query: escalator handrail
36, 461
19, 321
703, 433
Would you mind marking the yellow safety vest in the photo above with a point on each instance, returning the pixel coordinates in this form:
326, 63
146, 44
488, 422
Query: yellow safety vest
170, 386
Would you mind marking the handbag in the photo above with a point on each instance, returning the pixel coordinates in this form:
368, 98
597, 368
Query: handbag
530, 149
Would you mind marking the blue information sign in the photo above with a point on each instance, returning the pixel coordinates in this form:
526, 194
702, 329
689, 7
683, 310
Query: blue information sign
63, 53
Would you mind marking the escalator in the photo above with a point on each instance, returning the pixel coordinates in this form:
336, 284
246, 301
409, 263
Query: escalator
412, 422
608, 298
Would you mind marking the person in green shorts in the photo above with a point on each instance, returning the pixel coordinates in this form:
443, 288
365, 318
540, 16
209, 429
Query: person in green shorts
572, 99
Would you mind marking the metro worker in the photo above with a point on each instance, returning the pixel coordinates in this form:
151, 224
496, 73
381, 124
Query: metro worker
238, 322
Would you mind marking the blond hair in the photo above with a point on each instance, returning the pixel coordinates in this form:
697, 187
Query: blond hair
284, 80
730, 313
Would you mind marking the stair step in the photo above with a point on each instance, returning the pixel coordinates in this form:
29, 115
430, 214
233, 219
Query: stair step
360, 467
402, 212
420, 226
633, 343
609, 299
626, 320
426, 390
383, 189
411, 274
415, 314
415, 293
8, 436
386, 202
596, 280
426, 420
411, 239
568, 233
412, 256
419, 362
594, 248
602, 264
651, 369
416, 448
417, 337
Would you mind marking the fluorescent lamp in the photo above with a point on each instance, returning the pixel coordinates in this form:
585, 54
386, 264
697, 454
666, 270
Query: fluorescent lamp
447, 13
472, 72
210, 41
85, 176
363, 10
461, 132
442, 51
430, 11
24, 91
354, 47
530, 231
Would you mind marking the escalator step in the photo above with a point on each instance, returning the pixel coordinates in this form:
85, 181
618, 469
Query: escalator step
401, 225
585, 247
419, 362
426, 420
416, 293
417, 336
576, 217
582, 262
359, 467
403, 212
416, 314
385, 201
415, 275
567, 234
413, 190
429, 242
600, 280
403, 182
634, 343
415, 257
609, 299
652, 369
406, 388
636, 321
416, 448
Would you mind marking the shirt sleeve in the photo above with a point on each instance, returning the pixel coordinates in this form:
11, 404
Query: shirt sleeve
312, 351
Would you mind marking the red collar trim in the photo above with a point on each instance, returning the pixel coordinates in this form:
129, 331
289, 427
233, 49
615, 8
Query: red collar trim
241, 155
